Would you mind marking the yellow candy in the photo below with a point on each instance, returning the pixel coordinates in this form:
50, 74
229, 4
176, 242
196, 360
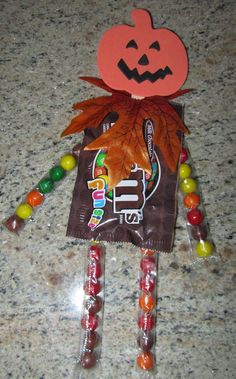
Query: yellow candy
204, 248
24, 211
104, 177
188, 185
184, 170
68, 162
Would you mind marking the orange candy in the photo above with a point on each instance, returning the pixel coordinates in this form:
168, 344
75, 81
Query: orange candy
145, 360
191, 200
146, 302
147, 252
34, 198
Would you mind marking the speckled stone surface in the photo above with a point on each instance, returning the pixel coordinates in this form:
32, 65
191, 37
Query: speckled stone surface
45, 47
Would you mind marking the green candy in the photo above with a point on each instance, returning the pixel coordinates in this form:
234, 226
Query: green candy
100, 159
110, 194
45, 185
57, 173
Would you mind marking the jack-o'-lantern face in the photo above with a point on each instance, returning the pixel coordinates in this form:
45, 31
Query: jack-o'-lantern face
141, 60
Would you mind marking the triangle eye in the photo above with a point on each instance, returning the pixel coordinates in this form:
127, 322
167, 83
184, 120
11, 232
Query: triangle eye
155, 45
132, 44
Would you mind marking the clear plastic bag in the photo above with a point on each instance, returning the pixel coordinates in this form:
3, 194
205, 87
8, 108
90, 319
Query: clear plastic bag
146, 338
37, 195
190, 198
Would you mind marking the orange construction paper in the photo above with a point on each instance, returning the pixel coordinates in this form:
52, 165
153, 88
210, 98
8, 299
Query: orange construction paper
142, 60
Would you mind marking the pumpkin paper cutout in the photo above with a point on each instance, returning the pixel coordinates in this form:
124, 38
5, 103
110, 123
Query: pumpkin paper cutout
125, 142
142, 60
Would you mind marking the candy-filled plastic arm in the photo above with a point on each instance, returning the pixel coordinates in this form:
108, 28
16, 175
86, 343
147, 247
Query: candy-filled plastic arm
190, 197
35, 198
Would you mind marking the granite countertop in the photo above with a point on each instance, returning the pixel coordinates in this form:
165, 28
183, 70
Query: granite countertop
45, 47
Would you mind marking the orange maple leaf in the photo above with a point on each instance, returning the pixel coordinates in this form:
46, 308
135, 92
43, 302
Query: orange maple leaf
124, 141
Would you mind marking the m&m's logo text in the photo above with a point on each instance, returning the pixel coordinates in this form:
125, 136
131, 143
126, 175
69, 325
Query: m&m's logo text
129, 197
127, 200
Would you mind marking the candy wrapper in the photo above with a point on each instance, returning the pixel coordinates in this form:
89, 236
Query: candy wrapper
140, 209
132, 164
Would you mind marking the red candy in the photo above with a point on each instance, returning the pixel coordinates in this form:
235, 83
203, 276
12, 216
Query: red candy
147, 283
14, 223
92, 287
94, 270
195, 217
184, 155
146, 321
94, 252
91, 340
147, 176
88, 359
100, 171
148, 265
89, 322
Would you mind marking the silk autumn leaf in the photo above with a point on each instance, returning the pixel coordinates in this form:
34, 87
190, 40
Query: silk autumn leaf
124, 141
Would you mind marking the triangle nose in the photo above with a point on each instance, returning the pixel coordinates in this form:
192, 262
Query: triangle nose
143, 61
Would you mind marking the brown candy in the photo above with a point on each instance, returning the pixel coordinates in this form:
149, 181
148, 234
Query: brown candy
145, 341
93, 304
91, 340
88, 359
199, 232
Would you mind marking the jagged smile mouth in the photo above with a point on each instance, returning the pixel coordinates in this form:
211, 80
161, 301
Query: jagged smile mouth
139, 78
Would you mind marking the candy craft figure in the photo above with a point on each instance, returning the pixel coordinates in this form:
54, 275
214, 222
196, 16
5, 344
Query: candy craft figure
130, 163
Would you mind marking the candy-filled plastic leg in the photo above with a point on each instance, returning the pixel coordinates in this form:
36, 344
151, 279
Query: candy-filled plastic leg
147, 313
92, 314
